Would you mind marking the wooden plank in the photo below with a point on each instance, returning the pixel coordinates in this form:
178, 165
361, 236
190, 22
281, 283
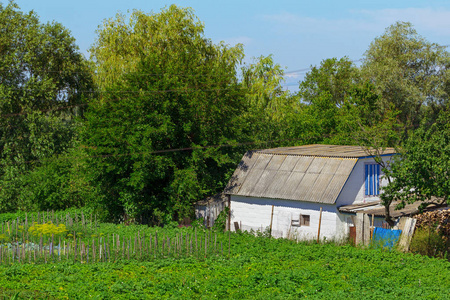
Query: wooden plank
407, 233
366, 234
359, 224
352, 234
271, 221
320, 221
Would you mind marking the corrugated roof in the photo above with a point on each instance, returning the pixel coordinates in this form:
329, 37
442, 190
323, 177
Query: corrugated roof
377, 209
327, 151
313, 173
292, 177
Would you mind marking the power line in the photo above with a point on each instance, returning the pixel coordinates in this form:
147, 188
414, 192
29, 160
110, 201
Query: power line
189, 75
186, 90
166, 150
155, 91
310, 68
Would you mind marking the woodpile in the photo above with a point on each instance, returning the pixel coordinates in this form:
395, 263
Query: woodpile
439, 219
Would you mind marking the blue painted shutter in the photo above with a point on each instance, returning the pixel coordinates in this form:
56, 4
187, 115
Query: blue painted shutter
377, 178
367, 180
372, 175
371, 179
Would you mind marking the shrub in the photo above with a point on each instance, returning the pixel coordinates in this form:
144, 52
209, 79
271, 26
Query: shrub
47, 229
427, 241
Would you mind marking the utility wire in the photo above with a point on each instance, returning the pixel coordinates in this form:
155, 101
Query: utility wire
192, 75
165, 150
186, 90
154, 91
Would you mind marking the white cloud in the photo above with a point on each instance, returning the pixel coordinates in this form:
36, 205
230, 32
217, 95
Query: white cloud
427, 21
435, 21
288, 23
245, 40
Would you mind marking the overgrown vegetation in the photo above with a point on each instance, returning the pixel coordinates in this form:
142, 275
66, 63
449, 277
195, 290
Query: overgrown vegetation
432, 236
159, 116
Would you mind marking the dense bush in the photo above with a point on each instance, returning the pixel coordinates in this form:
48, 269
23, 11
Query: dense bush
429, 242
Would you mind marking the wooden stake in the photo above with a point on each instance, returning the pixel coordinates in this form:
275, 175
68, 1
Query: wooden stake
320, 222
123, 248
372, 228
128, 249
271, 221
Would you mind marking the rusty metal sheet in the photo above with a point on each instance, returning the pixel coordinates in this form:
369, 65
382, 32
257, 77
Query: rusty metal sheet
377, 209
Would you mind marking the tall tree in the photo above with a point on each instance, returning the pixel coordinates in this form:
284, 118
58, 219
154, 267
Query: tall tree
174, 89
43, 81
421, 172
341, 105
410, 74
270, 106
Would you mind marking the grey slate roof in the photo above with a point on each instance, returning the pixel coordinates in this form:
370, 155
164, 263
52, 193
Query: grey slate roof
326, 151
312, 173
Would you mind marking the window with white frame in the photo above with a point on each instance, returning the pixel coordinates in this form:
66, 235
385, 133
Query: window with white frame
372, 181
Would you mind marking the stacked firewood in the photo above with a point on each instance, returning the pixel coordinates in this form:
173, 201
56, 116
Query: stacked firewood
439, 219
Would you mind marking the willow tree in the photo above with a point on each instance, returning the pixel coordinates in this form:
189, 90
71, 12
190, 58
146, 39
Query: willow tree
169, 97
270, 106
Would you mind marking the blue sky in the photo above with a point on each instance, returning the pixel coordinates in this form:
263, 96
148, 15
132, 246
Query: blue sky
298, 33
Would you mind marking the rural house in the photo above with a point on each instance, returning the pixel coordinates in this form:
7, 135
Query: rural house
291, 189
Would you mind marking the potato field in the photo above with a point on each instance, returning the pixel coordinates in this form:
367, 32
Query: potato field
74, 257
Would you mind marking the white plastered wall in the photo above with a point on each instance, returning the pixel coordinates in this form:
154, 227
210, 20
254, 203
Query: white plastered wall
255, 213
353, 191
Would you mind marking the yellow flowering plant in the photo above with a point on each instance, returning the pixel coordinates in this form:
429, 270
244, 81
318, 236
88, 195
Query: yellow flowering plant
47, 229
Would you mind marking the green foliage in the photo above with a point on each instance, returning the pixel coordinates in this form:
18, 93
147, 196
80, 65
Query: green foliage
221, 221
181, 93
270, 107
409, 73
421, 172
42, 72
427, 241
257, 268
342, 107
147, 147
47, 229
46, 214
